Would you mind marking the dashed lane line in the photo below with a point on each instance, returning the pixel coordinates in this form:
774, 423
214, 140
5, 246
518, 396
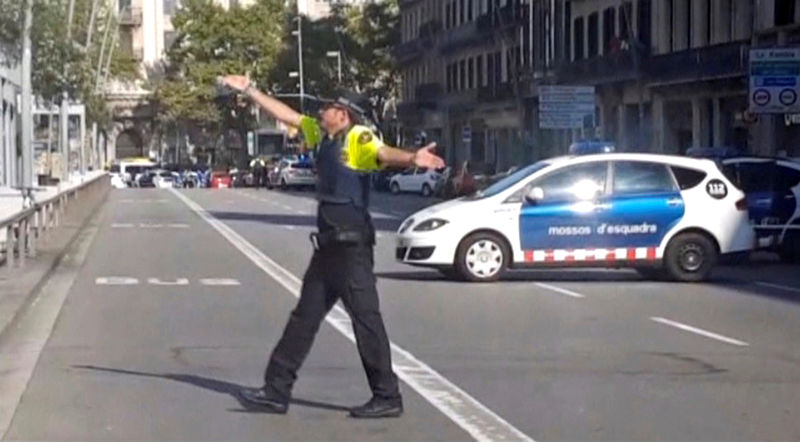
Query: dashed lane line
699, 331
467, 412
569, 293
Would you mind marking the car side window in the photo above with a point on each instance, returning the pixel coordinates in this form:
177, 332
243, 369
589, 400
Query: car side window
757, 177
786, 178
639, 177
687, 178
581, 182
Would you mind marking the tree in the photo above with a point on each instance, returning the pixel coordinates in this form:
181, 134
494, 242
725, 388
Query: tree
60, 64
364, 35
210, 42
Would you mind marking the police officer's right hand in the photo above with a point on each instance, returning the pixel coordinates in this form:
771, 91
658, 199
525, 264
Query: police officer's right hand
237, 82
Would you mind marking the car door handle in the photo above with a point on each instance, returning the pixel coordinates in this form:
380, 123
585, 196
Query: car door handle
674, 202
601, 206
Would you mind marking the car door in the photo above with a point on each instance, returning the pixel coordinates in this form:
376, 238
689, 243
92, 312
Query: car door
786, 206
644, 204
406, 180
756, 178
565, 217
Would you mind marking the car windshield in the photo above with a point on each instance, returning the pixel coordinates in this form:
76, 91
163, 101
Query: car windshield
510, 180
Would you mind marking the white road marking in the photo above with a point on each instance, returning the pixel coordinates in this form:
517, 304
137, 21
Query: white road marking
699, 331
121, 226
559, 290
472, 416
142, 200
150, 226
178, 226
116, 280
219, 282
778, 286
178, 281
286, 206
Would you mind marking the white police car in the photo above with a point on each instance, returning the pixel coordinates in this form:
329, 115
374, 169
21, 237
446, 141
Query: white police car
657, 213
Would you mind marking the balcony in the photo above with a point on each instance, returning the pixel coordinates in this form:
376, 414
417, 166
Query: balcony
461, 37
504, 18
611, 68
410, 50
130, 16
428, 95
498, 92
718, 61
430, 28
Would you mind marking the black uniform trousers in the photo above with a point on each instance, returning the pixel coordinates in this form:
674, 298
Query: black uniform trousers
337, 271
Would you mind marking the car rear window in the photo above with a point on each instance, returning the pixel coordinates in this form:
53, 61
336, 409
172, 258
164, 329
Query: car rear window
687, 178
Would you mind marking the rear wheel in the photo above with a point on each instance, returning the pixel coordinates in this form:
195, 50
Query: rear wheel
690, 257
482, 257
790, 248
426, 190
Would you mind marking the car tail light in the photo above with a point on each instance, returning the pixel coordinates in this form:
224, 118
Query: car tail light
741, 204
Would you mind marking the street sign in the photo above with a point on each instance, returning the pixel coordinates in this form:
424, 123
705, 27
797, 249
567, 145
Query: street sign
466, 134
775, 80
566, 107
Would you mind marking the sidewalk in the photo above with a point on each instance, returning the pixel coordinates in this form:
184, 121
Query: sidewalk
17, 285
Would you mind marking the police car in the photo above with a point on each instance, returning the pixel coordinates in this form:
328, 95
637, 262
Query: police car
772, 186
660, 214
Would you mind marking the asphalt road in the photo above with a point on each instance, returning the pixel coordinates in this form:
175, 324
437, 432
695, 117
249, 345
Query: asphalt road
173, 300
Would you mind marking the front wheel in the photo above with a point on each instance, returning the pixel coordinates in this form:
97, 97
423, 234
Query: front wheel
395, 188
482, 257
790, 248
690, 257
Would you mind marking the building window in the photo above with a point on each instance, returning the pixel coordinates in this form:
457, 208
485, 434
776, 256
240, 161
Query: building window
462, 75
489, 70
567, 28
592, 28
689, 24
578, 32
644, 23
479, 70
469, 10
447, 9
471, 73
784, 12
169, 7
625, 20
462, 16
610, 31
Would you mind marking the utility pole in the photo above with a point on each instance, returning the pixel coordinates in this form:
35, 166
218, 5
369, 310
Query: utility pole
27, 106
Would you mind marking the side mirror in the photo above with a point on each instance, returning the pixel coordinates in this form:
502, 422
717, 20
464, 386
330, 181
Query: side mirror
534, 195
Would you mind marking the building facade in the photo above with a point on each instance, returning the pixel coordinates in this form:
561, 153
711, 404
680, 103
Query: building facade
668, 74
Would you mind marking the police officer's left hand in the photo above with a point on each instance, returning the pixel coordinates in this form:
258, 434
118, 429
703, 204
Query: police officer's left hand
425, 158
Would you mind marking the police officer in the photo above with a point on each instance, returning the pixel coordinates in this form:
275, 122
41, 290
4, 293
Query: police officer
342, 264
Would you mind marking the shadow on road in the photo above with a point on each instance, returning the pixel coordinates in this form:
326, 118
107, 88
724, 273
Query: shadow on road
381, 224
214, 385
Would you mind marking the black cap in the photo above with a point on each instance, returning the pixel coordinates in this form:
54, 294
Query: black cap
357, 104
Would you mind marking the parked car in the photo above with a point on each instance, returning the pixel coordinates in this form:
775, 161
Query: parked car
220, 180
381, 180
163, 179
145, 179
417, 180
772, 186
293, 172
660, 214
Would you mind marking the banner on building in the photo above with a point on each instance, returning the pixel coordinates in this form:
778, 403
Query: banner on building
566, 107
775, 81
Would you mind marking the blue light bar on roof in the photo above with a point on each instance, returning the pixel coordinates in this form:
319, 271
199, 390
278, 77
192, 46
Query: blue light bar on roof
591, 147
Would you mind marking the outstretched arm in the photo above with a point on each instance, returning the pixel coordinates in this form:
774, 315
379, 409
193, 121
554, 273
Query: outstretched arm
424, 157
278, 109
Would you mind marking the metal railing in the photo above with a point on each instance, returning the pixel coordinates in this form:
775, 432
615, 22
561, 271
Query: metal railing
25, 229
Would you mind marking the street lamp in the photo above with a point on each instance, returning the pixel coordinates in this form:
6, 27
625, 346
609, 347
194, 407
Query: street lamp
338, 56
299, 34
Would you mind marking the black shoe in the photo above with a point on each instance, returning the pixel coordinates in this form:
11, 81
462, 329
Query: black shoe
260, 397
378, 408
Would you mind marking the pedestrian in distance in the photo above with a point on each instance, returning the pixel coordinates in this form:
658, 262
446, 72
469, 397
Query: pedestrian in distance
342, 263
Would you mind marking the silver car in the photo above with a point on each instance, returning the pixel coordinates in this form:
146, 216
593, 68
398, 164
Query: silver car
293, 173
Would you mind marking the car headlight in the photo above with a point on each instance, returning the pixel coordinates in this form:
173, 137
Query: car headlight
406, 225
431, 224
